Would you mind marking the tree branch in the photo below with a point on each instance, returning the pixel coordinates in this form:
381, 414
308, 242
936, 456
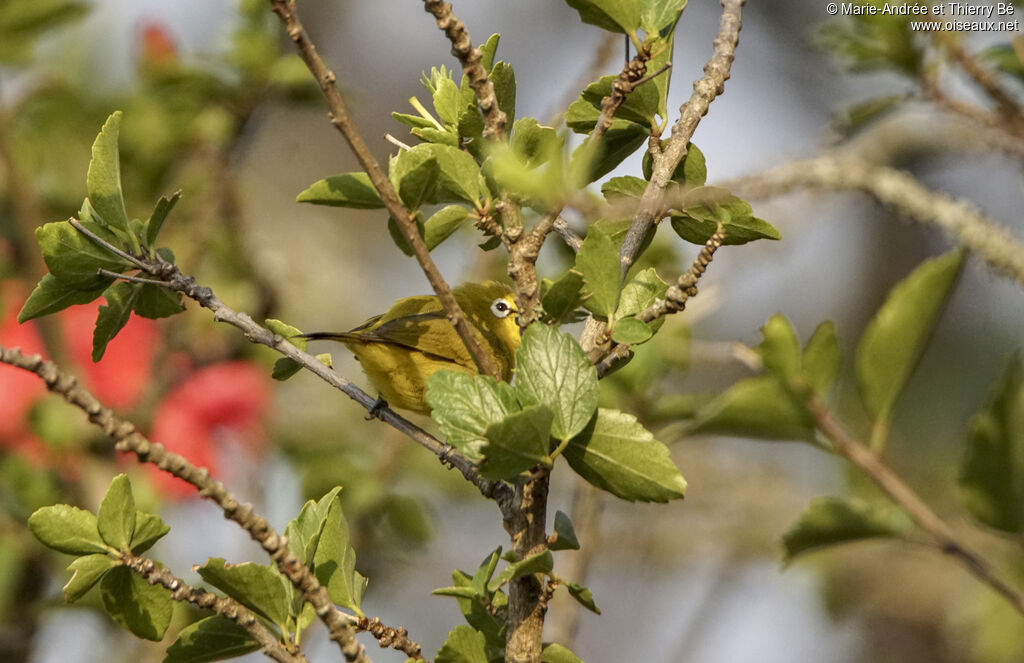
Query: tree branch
344, 124
223, 606
899, 190
674, 302
705, 89
872, 467
389, 636
469, 58
128, 440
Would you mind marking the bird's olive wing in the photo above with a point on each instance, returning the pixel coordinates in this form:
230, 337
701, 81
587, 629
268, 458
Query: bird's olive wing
430, 333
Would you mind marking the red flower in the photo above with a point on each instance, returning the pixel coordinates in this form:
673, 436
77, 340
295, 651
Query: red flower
19, 389
121, 377
118, 380
210, 416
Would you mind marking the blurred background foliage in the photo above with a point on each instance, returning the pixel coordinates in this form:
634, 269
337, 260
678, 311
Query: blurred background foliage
215, 105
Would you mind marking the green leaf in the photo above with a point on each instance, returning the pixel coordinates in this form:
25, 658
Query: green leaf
895, 338
149, 528
140, 607
640, 292
780, 349
992, 472
541, 562
304, 531
516, 443
552, 370
148, 300
457, 592
598, 262
464, 406
556, 653
615, 453
51, 295
534, 143
565, 535
285, 367
820, 358
584, 596
705, 207
334, 562
591, 162
215, 638
503, 77
67, 529
691, 172
352, 190
430, 173
487, 50
159, 215
112, 317
561, 298
87, 571
447, 101
116, 518
758, 407
639, 108
626, 186
104, 179
442, 224
464, 645
414, 174
260, 588
658, 17
440, 136
482, 578
831, 521
631, 331
414, 121
73, 258
612, 15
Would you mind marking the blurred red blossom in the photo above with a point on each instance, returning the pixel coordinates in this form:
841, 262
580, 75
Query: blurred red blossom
119, 380
212, 415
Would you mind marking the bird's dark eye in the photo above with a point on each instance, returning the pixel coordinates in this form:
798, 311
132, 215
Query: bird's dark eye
500, 308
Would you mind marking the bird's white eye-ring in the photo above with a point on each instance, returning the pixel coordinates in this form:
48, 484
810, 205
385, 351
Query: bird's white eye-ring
500, 308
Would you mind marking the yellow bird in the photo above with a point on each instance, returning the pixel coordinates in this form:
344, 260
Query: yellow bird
399, 350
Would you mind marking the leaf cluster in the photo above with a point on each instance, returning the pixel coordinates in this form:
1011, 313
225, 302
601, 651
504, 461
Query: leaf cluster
104, 544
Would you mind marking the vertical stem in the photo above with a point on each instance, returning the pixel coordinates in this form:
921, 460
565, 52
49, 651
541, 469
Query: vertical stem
525, 523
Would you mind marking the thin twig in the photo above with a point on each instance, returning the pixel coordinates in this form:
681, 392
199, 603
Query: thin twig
389, 636
522, 266
469, 58
128, 440
222, 605
99, 241
258, 334
630, 77
171, 277
894, 188
674, 301
705, 89
899, 492
130, 278
587, 507
986, 81
344, 124
568, 235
